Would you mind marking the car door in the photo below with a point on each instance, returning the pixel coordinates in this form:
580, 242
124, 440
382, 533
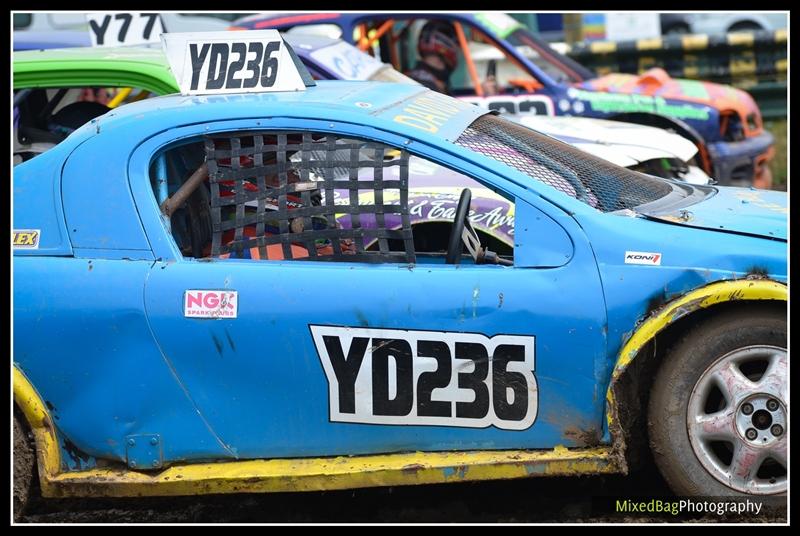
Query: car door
297, 358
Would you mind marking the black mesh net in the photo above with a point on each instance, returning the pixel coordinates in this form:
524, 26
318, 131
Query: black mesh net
596, 182
290, 195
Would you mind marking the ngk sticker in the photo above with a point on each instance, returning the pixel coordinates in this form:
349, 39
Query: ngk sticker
210, 304
641, 257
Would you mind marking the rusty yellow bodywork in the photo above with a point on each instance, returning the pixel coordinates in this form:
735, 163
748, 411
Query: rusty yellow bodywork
48, 458
346, 472
343, 472
701, 298
306, 474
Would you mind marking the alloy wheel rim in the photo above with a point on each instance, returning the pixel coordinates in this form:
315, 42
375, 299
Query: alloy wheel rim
737, 419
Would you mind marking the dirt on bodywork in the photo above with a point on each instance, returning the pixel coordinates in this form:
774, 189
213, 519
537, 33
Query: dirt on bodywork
24, 465
588, 499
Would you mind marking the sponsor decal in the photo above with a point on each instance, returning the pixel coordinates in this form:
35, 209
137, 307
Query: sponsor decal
489, 212
434, 378
210, 304
25, 238
617, 102
442, 206
428, 112
213, 63
119, 29
641, 257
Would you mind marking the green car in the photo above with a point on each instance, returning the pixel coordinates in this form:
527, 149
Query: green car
58, 90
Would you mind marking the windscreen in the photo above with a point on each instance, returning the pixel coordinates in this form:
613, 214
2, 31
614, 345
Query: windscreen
559, 67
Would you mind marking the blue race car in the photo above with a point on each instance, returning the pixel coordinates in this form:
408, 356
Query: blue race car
532, 78
213, 294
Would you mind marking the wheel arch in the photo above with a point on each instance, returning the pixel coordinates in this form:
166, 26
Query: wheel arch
626, 396
38, 419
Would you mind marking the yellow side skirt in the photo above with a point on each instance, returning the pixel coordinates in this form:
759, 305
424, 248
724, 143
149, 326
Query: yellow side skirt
314, 474
306, 474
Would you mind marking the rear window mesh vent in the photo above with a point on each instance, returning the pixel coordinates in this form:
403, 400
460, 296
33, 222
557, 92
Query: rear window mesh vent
597, 182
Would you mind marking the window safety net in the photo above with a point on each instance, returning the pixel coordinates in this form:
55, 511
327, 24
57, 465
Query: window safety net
597, 182
291, 195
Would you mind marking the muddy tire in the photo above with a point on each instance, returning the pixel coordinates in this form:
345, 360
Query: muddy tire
718, 406
24, 464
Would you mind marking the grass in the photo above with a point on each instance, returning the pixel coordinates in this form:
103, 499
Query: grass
779, 164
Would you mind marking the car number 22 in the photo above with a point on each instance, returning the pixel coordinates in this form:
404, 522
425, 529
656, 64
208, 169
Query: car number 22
438, 378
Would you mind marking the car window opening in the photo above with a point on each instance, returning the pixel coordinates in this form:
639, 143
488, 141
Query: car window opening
44, 117
308, 196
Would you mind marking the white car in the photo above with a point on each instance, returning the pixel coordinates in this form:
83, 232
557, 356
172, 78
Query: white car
647, 149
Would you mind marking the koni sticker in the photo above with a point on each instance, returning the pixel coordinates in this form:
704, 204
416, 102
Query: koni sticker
641, 257
211, 304
435, 378
25, 238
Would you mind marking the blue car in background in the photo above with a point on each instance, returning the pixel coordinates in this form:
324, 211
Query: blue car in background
212, 294
724, 122
55, 39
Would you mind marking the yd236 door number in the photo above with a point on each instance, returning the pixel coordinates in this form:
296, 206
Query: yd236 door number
399, 377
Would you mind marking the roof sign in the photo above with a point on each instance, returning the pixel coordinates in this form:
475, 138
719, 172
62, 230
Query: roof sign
216, 63
120, 29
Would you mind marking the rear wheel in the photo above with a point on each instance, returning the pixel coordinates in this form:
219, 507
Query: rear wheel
718, 410
24, 464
